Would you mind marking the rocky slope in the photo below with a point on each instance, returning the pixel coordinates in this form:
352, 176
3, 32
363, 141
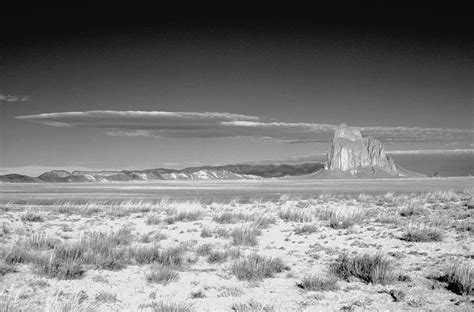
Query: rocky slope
229, 172
352, 153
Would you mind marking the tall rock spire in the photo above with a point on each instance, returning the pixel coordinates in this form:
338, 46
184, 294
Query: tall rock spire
351, 151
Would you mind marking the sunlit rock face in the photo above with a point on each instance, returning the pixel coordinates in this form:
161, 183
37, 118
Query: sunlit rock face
350, 151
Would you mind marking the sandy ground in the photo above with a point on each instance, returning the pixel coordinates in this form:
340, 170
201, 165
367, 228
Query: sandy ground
380, 222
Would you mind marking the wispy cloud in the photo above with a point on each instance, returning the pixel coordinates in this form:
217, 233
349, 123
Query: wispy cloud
13, 98
159, 124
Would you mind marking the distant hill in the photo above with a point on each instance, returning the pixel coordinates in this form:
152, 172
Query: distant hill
227, 172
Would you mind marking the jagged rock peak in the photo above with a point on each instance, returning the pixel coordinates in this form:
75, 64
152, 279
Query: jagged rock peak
349, 133
351, 151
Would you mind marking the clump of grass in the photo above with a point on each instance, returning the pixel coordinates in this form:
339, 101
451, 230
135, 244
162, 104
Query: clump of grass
230, 291
32, 216
318, 283
296, 214
153, 219
246, 234
162, 306
425, 234
204, 249
412, 210
206, 232
66, 262
41, 241
6, 268
344, 218
307, 228
217, 256
145, 254
16, 254
459, 279
162, 274
104, 297
375, 269
255, 267
465, 226
185, 211
155, 254
252, 306
228, 217
222, 232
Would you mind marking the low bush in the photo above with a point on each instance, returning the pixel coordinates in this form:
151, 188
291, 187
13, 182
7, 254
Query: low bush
246, 234
459, 279
162, 274
255, 267
375, 269
425, 234
318, 283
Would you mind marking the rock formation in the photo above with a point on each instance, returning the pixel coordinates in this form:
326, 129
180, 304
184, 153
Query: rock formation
351, 152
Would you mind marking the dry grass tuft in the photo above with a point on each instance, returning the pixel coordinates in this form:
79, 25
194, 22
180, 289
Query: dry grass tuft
246, 234
424, 234
255, 267
375, 269
162, 274
318, 283
459, 279
252, 306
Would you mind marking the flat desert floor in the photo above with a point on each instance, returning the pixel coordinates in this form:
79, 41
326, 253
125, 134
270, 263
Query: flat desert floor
230, 246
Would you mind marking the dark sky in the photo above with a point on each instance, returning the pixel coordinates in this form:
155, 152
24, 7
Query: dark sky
239, 84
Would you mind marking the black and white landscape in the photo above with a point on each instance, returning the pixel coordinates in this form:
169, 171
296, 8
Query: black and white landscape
237, 160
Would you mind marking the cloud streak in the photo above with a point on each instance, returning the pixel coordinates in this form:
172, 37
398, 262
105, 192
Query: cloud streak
13, 98
160, 124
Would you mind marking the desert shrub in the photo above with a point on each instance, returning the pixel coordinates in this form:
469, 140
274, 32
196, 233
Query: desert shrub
185, 212
318, 283
153, 219
229, 291
6, 268
412, 210
425, 234
374, 269
104, 296
206, 232
162, 274
171, 256
251, 306
246, 235
296, 214
162, 306
66, 262
32, 216
341, 222
197, 294
255, 267
217, 256
222, 232
263, 221
459, 279
41, 241
228, 217
17, 253
306, 228
145, 254
465, 226
155, 254
204, 249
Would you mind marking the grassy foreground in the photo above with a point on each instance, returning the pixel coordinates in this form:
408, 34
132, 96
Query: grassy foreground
358, 252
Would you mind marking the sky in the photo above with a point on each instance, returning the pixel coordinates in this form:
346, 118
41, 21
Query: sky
183, 89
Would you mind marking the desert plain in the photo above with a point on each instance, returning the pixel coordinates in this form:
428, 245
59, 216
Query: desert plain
282, 245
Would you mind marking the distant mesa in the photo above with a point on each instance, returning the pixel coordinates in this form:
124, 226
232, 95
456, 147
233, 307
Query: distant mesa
353, 154
228, 172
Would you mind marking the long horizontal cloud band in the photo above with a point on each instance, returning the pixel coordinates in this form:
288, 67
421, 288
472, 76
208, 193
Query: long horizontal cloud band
214, 125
